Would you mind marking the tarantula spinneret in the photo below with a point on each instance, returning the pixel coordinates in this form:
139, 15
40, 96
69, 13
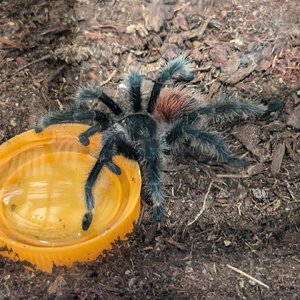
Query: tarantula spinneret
173, 119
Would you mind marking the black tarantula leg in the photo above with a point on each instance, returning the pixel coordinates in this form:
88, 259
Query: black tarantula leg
72, 116
96, 93
89, 197
84, 136
112, 139
213, 145
177, 66
127, 150
134, 81
229, 110
103, 122
202, 141
150, 157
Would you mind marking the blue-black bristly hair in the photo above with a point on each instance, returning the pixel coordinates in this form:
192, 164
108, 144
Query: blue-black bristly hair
134, 81
239, 109
97, 93
73, 116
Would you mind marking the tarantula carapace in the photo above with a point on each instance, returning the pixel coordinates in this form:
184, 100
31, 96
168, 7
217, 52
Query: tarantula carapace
174, 119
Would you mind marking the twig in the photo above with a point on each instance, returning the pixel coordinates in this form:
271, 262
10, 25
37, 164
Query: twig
34, 62
288, 187
248, 276
232, 176
55, 30
139, 222
53, 75
203, 69
203, 205
179, 246
117, 27
110, 77
181, 7
203, 27
10, 43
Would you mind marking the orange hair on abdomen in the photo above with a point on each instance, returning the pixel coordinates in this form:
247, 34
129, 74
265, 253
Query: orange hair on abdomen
174, 103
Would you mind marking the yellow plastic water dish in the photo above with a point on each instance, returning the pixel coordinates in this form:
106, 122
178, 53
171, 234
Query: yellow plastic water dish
42, 178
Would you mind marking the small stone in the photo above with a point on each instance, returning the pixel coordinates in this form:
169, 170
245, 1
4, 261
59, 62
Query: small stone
259, 194
13, 122
132, 282
251, 282
188, 269
227, 243
242, 283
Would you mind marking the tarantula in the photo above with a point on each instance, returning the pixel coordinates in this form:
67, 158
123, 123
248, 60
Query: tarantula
172, 120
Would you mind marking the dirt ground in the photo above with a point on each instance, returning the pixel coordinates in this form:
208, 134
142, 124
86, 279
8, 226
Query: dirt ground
248, 219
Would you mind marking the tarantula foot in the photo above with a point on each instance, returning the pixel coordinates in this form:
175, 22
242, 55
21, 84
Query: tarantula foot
274, 105
167, 151
38, 129
158, 212
83, 140
114, 168
87, 220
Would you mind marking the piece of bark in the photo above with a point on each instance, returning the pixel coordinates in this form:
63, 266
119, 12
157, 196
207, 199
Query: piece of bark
56, 285
179, 38
249, 136
292, 153
255, 169
156, 16
277, 158
294, 118
168, 50
180, 22
219, 55
240, 74
230, 67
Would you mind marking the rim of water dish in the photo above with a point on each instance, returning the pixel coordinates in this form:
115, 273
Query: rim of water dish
24, 151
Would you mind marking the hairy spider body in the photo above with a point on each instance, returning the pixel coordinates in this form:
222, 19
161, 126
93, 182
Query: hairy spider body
174, 118
173, 104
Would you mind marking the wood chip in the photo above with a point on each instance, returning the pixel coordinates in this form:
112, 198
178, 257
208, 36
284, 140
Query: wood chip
178, 245
219, 55
294, 118
292, 153
7, 43
230, 67
180, 22
255, 169
203, 27
168, 50
277, 158
241, 74
56, 285
156, 16
249, 136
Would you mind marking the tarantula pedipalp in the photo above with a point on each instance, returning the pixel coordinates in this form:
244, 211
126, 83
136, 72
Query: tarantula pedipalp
172, 118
